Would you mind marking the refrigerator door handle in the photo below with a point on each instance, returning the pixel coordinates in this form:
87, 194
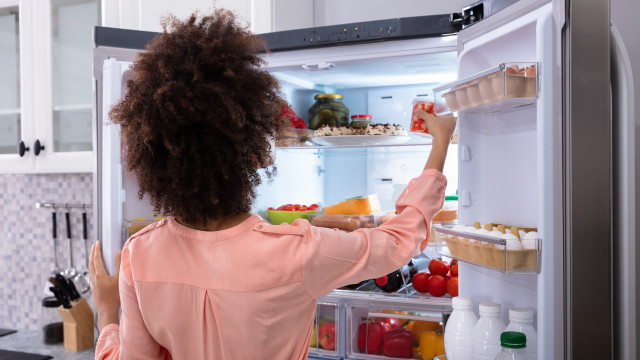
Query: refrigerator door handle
624, 207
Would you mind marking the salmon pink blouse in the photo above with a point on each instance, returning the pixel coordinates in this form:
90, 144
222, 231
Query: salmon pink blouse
249, 292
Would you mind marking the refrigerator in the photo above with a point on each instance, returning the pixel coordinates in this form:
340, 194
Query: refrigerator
559, 158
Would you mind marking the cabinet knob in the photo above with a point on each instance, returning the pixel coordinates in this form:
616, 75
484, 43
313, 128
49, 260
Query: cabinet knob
37, 147
22, 149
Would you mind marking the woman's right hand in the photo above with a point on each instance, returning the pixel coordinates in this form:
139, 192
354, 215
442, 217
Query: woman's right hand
440, 127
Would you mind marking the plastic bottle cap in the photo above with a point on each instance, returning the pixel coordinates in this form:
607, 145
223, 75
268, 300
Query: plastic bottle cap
513, 340
50, 302
519, 314
462, 302
361, 116
490, 309
382, 281
451, 198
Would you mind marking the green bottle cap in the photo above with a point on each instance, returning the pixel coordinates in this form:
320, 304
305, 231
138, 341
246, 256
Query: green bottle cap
513, 340
451, 198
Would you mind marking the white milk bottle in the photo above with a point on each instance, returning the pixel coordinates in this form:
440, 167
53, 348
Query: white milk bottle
459, 329
513, 346
521, 320
486, 334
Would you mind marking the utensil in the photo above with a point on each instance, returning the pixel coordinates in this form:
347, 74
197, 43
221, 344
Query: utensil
56, 268
61, 296
81, 279
70, 271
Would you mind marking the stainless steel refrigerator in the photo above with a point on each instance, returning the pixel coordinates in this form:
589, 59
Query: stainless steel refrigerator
562, 159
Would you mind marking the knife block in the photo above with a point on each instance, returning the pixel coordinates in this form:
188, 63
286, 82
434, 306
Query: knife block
78, 325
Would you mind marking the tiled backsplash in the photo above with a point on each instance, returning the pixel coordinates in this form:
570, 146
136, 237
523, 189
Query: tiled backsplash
26, 242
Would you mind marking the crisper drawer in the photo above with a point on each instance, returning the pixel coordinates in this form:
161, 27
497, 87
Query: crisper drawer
326, 335
407, 329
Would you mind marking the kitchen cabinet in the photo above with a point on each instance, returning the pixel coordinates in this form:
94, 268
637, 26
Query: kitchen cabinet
45, 87
147, 14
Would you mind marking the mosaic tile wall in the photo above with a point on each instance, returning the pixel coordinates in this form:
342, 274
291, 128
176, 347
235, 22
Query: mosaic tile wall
26, 242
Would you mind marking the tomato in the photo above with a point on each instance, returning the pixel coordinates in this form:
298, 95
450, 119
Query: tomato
420, 282
454, 270
270, 208
437, 285
452, 287
296, 207
438, 267
370, 337
398, 343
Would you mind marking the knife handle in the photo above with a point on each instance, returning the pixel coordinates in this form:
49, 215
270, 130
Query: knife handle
54, 217
84, 226
68, 220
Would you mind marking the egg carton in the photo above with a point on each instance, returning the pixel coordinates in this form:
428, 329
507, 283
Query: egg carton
506, 87
488, 251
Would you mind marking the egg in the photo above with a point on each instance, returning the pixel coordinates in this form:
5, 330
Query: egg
483, 232
471, 230
513, 243
529, 240
522, 233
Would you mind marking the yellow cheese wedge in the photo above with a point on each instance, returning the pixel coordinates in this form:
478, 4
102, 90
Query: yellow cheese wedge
358, 206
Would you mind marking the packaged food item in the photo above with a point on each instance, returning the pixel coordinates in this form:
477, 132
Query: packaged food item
514, 345
486, 334
419, 125
521, 320
289, 133
459, 329
328, 110
361, 120
449, 212
356, 206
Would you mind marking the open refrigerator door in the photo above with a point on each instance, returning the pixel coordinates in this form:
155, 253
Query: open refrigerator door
505, 174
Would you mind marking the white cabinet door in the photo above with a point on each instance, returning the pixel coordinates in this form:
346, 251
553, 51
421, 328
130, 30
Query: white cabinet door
16, 115
64, 117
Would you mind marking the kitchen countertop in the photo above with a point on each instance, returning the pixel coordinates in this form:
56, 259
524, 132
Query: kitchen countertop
31, 341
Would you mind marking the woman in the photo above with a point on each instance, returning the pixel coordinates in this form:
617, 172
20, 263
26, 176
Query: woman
212, 280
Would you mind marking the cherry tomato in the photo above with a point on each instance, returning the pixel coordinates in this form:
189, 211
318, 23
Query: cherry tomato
437, 285
452, 287
270, 208
454, 270
419, 281
438, 267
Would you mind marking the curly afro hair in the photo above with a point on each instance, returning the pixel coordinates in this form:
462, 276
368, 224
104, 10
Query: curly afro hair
198, 117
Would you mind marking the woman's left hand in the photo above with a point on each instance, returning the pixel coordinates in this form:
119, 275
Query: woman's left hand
104, 288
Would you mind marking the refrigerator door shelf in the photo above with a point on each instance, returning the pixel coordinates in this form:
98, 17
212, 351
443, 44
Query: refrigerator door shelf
506, 87
523, 257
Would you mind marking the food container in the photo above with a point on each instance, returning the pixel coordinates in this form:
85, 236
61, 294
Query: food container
410, 329
133, 226
362, 120
325, 334
52, 325
419, 126
328, 110
348, 222
277, 217
488, 251
506, 87
449, 212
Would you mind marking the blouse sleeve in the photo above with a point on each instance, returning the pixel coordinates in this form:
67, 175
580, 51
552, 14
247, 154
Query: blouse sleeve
334, 258
130, 340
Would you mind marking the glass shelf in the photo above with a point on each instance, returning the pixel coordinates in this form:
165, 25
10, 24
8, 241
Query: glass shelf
506, 87
488, 251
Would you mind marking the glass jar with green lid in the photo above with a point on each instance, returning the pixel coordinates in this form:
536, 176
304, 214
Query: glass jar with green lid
328, 110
